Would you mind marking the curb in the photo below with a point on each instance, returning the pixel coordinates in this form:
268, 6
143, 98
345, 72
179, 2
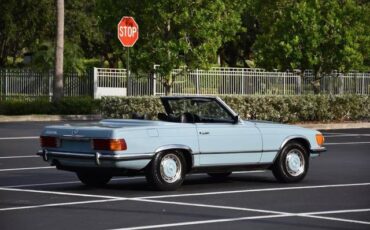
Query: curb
50, 118
326, 126
95, 117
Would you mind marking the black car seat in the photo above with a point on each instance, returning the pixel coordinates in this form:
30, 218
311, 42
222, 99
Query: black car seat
187, 118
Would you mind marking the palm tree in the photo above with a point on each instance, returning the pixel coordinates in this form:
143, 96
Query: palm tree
58, 77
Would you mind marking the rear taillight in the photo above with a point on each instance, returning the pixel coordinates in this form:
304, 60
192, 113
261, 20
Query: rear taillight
48, 142
109, 144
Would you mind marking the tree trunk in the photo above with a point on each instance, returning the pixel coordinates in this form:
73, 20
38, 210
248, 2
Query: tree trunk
58, 78
167, 90
316, 82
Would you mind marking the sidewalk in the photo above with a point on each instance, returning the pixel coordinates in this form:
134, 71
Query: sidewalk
344, 125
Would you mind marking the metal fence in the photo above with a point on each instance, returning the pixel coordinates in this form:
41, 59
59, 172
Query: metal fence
218, 81
244, 81
215, 81
26, 83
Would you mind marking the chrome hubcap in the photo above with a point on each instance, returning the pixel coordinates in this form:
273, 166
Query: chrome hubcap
170, 168
295, 162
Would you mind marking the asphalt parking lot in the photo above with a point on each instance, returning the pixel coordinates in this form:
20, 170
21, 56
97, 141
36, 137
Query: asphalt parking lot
334, 195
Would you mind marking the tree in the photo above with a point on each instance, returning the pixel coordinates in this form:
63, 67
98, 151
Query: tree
59, 48
318, 35
22, 23
184, 33
238, 51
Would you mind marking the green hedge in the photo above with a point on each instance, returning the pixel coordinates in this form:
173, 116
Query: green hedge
68, 105
287, 109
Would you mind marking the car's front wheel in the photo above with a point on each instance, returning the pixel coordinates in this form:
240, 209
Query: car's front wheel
167, 170
93, 179
291, 164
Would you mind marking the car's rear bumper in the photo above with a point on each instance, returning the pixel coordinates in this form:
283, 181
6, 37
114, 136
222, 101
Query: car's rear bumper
96, 157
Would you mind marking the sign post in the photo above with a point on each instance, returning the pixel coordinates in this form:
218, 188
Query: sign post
128, 34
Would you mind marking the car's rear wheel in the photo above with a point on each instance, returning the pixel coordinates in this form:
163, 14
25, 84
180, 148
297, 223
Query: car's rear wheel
93, 179
220, 175
167, 170
292, 163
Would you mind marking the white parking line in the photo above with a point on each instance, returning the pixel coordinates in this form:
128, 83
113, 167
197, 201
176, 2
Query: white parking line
330, 133
59, 193
66, 182
338, 211
256, 190
348, 135
18, 138
112, 198
115, 179
335, 219
213, 221
59, 204
159, 226
348, 143
14, 157
181, 195
21, 169
210, 206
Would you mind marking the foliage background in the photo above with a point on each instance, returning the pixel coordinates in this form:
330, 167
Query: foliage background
274, 34
286, 109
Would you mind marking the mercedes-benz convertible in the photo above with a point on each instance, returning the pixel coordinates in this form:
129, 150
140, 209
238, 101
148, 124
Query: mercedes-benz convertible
195, 134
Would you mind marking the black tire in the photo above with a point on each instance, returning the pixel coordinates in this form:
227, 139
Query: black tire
292, 163
93, 179
220, 175
166, 171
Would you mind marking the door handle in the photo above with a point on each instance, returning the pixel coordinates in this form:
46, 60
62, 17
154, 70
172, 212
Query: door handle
204, 133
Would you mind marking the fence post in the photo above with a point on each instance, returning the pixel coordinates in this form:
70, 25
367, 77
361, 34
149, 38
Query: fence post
50, 84
284, 78
363, 84
341, 83
155, 81
299, 84
242, 91
95, 83
197, 78
6, 83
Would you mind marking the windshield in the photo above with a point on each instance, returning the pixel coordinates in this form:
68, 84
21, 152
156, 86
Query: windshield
197, 109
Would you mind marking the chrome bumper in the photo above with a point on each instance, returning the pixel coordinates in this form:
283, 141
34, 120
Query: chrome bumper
97, 157
316, 152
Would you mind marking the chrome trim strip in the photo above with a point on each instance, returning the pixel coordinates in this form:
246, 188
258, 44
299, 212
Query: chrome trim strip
236, 152
95, 156
286, 140
75, 137
313, 155
174, 146
318, 150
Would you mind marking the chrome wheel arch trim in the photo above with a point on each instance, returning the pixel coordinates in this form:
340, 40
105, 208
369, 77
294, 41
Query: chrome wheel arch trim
289, 138
173, 147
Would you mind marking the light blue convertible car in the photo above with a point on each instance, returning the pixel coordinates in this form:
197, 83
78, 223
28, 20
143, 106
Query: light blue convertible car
196, 134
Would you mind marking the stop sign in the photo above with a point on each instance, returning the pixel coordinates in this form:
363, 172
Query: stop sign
127, 31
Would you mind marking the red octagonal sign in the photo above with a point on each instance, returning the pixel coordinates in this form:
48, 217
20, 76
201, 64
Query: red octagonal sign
127, 31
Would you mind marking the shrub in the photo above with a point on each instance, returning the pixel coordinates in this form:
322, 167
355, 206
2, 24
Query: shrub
286, 109
68, 105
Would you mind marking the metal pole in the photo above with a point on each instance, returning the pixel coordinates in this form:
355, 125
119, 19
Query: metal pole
128, 62
128, 71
